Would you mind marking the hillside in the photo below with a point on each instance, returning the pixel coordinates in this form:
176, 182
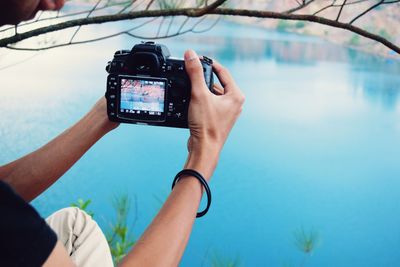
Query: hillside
384, 21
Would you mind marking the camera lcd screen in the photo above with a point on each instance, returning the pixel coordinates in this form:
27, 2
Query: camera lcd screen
142, 98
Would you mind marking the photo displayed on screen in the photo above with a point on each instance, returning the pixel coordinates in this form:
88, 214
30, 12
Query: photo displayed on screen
142, 96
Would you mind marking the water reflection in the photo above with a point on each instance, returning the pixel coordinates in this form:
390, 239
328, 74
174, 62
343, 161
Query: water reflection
378, 78
378, 88
317, 144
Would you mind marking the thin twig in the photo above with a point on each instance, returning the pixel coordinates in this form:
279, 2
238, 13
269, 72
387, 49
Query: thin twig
194, 12
325, 7
149, 4
183, 24
208, 8
127, 32
170, 24
62, 16
301, 6
340, 11
160, 26
127, 6
366, 11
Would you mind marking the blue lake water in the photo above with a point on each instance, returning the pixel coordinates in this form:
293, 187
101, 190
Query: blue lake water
317, 146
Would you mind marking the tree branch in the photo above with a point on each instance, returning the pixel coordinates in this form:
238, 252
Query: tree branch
208, 8
39, 19
311, 18
127, 32
197, 12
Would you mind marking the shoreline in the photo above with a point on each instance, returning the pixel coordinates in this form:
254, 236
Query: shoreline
388, 54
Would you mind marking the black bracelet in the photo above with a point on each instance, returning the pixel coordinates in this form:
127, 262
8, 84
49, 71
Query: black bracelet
203, 181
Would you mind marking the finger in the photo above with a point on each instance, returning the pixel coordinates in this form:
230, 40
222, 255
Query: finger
47, 5
194, 70
230, 86
224, 76
218, 89
51, 4
59, 4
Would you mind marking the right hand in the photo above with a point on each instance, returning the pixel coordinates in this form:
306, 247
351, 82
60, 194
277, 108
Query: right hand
211, 116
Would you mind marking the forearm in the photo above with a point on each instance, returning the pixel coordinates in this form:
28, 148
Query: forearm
165, 240
35, 172
210, 120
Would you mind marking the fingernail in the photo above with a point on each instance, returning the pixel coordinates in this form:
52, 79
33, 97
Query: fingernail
190, 55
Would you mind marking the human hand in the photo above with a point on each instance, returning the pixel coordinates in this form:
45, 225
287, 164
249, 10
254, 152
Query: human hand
99, 111
15, 11
211, 116
51, 4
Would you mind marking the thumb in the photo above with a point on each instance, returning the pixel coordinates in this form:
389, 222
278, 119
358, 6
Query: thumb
194, 70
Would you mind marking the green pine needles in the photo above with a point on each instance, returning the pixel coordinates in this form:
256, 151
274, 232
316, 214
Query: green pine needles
120, 236
306, 242
121, 239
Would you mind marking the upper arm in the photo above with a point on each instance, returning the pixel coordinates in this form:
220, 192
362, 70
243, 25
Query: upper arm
59, 257
5, 170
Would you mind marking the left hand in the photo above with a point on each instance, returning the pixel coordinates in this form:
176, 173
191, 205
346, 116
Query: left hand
100, 111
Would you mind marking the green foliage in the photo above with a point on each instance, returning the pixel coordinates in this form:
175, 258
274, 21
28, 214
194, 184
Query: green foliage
200, 3
355, 40
384, 34
170, 4
283, 25
120, 238
300, 25
83, 205
219, 261
306, 241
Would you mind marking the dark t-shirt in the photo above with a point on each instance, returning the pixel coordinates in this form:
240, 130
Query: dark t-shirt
25, 238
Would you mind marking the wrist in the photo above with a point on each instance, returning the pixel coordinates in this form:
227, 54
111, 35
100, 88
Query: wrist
104, 123
203, 160
99, 114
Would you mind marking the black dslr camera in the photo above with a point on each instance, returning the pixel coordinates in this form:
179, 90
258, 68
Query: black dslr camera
147, 86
